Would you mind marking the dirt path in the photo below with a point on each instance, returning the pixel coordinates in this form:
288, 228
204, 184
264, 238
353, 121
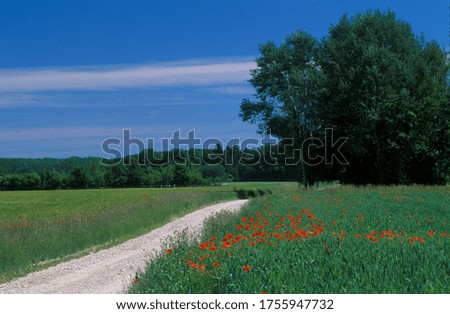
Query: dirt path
111, 270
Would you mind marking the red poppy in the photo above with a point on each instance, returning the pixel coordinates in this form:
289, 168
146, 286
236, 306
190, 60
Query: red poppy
213, 248
169, 251
194, 265
253, 243
136, 281
213, 238
246, 268
216, 264
431, 233
226, 244
202, 268
419, 239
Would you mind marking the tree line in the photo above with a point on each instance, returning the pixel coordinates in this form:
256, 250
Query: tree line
194, 167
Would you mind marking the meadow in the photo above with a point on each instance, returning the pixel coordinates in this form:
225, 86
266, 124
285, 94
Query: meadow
337, 240
42, 228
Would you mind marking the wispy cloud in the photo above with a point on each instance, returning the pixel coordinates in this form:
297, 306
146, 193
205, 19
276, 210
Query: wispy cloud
79, 132
199, 73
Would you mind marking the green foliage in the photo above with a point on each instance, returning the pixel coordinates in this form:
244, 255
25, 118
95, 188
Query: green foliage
385, 90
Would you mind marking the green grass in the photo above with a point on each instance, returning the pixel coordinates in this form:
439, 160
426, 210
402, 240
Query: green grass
337, 240
41, 228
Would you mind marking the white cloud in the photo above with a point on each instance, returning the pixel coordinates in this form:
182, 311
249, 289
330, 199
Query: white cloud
199, 73
65, 133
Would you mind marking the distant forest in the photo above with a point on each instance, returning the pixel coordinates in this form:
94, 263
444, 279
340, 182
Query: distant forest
147, 169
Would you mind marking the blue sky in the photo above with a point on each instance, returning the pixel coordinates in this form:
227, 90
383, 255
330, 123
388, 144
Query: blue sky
74, 73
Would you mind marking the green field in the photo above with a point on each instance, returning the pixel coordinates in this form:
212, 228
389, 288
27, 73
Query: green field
42, 228
336, 240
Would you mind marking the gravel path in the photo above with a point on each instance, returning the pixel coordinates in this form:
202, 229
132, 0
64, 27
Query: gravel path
111, 270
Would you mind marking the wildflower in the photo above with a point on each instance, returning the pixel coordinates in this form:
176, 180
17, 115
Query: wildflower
358, 236
253, 243
194, 265
136, 281
246, 268
216, 264
334, 222
189, 261
419, 239
226, 244
169, 251
213, 248
202, 268
431, 233
213, 238
374, 240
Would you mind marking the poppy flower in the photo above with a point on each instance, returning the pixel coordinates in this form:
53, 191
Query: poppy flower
213, 238
216, 264
226, 244
213, 248
202, 268
169, 251
246, 268
431, 233
194, 265
136, 281
253, 243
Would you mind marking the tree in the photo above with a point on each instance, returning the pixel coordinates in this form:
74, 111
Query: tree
287, 82
385, 90
78, 178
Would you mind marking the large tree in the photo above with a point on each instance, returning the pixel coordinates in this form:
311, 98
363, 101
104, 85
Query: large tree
386, 90
287, 82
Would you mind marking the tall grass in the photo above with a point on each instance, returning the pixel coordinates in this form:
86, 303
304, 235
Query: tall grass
45, 232
345, 240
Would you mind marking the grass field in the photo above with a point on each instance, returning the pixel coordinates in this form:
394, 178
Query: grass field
337, 240
41, 228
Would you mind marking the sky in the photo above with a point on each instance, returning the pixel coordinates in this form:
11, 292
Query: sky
76, 73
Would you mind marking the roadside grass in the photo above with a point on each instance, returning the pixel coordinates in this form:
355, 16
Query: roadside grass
41, 228
337, 240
